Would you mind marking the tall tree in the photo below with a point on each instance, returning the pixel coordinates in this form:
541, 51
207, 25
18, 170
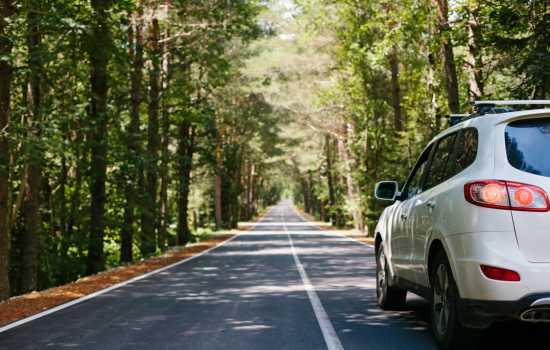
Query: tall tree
5, 96
149, 218
98, 51
30, 234
474, 59
135, 168
451, 78
186, 149
394, 68
165, 132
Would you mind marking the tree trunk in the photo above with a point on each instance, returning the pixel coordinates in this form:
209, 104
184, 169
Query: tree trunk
357, 217
309, 196
321, 201
74, 217
32, 190
394, 68
476, 74
5, 95
99, 57
237, 183
218, 201
134, 173
330, 183
250, 175
218, 181
149, 218
186, 148
450, 68
395, 90
165, 135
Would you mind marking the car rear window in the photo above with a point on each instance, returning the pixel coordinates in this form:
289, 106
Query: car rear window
527, 145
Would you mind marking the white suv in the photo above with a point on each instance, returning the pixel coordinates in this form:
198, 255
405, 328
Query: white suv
470, 230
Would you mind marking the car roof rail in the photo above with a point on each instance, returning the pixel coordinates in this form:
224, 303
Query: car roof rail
455, 118
490, 107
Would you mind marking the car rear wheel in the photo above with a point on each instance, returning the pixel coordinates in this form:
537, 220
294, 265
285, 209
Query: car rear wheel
389, 298
449, 332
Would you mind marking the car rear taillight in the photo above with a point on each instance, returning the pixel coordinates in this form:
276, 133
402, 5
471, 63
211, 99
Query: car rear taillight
496, 273
487, 193
506, 195
527, 197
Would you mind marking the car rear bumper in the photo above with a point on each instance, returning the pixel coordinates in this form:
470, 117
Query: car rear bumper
469, 251
481, 313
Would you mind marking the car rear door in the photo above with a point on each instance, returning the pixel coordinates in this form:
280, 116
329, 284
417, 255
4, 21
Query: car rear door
424, 206
401, 238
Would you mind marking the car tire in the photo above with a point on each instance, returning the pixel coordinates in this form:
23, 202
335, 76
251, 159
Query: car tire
449, 332
389, 298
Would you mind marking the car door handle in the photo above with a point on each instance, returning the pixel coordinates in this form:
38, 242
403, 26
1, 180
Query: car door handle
431, 204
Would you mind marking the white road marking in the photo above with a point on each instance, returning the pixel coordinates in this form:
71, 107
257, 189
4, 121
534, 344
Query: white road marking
331, 338
108, 289
290, 223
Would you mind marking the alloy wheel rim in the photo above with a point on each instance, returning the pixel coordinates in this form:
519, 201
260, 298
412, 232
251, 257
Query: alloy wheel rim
441, 304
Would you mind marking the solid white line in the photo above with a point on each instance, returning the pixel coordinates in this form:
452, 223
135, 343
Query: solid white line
331, 338
290, 223
108, 289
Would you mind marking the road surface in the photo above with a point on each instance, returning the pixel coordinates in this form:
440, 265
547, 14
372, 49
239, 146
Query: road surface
285, 286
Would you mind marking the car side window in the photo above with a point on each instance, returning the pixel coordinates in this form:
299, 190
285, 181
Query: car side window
467, 149
441, 167
414, 185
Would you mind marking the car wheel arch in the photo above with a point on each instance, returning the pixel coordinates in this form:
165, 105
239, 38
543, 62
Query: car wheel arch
436, 245
377, 242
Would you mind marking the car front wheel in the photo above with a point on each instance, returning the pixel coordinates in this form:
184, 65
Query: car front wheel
449, 332
389, 298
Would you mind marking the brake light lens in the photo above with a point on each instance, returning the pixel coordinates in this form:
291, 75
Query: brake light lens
492, 194
496, 273
506, 195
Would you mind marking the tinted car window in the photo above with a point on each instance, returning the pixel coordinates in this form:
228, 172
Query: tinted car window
467, 150
441, 167
415, 186
527, 145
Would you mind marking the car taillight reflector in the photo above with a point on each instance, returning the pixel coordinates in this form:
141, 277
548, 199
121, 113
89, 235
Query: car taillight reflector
524, 196
506, 195
496, 273
527, 197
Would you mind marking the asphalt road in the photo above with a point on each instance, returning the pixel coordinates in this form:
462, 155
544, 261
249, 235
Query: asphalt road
272, 287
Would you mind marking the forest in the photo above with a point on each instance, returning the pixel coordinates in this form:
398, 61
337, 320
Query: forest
129, 126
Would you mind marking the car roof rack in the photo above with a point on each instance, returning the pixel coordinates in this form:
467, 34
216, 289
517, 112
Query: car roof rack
490, 107
455, 118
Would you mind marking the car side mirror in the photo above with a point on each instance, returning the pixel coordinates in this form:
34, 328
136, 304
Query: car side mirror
387, 190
